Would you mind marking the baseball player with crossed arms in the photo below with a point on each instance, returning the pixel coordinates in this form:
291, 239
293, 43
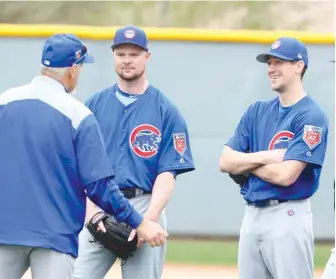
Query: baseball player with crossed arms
281, 144
148, 144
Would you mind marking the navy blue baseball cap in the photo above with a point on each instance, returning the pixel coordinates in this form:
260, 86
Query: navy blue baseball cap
286, 48
130, 35
64, 50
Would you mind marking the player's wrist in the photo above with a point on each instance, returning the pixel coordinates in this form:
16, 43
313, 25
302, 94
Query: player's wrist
134, 220
259, 158
263, 157
152, 215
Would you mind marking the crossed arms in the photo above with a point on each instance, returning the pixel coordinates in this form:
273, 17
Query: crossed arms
267, 165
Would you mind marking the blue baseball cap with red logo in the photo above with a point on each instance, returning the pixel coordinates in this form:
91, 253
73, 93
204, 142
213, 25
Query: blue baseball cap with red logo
64, 50
286, 48
130, 35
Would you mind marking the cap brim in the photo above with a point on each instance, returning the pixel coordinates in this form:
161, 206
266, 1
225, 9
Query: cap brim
128, 43
88, 59
263, 58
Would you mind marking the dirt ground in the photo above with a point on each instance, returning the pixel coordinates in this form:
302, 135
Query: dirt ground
193, 272
186, 272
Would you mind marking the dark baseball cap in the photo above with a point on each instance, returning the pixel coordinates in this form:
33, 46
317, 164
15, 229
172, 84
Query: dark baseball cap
286, 48
64, 50
130, 35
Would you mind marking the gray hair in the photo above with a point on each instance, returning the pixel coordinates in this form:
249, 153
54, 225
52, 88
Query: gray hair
55, 72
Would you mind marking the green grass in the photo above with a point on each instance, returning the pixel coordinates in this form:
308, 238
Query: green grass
204, 252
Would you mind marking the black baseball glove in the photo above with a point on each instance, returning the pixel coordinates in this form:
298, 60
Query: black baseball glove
116, 236
239, 178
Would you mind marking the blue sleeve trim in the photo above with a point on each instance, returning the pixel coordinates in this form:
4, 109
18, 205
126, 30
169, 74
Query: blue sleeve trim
177, 170
235, 147
134, 220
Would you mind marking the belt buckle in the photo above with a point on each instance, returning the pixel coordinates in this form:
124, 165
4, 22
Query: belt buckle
138, 192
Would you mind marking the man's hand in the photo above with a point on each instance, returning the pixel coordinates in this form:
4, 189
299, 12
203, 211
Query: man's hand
101, 226
151, 232
162, 191
91, 210
274, 156
141, 240
152, 217
235, 162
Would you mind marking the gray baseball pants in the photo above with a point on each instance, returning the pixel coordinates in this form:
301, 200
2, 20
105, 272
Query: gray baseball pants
44, 263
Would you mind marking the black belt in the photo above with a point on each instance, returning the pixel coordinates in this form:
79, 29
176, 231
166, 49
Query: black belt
131, 193
265, 203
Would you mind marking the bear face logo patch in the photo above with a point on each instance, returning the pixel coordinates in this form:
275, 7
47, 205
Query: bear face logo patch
281, 140
312, 135
144, 139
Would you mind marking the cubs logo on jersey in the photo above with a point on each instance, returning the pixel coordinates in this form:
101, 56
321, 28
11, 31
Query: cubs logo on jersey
281, 140
144, 140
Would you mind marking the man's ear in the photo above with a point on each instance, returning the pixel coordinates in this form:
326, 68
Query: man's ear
299, 67
72, 71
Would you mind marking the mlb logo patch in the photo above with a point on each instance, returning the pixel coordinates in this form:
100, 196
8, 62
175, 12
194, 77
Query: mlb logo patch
180, 142
312, 135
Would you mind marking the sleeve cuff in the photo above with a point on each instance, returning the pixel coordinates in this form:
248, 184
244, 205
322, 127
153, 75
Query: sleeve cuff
234, 146
177, 170
134, 219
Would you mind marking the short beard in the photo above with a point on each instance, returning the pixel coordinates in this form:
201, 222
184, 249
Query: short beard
131, 78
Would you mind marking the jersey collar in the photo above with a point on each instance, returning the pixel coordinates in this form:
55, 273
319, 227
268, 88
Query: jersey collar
50, 81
